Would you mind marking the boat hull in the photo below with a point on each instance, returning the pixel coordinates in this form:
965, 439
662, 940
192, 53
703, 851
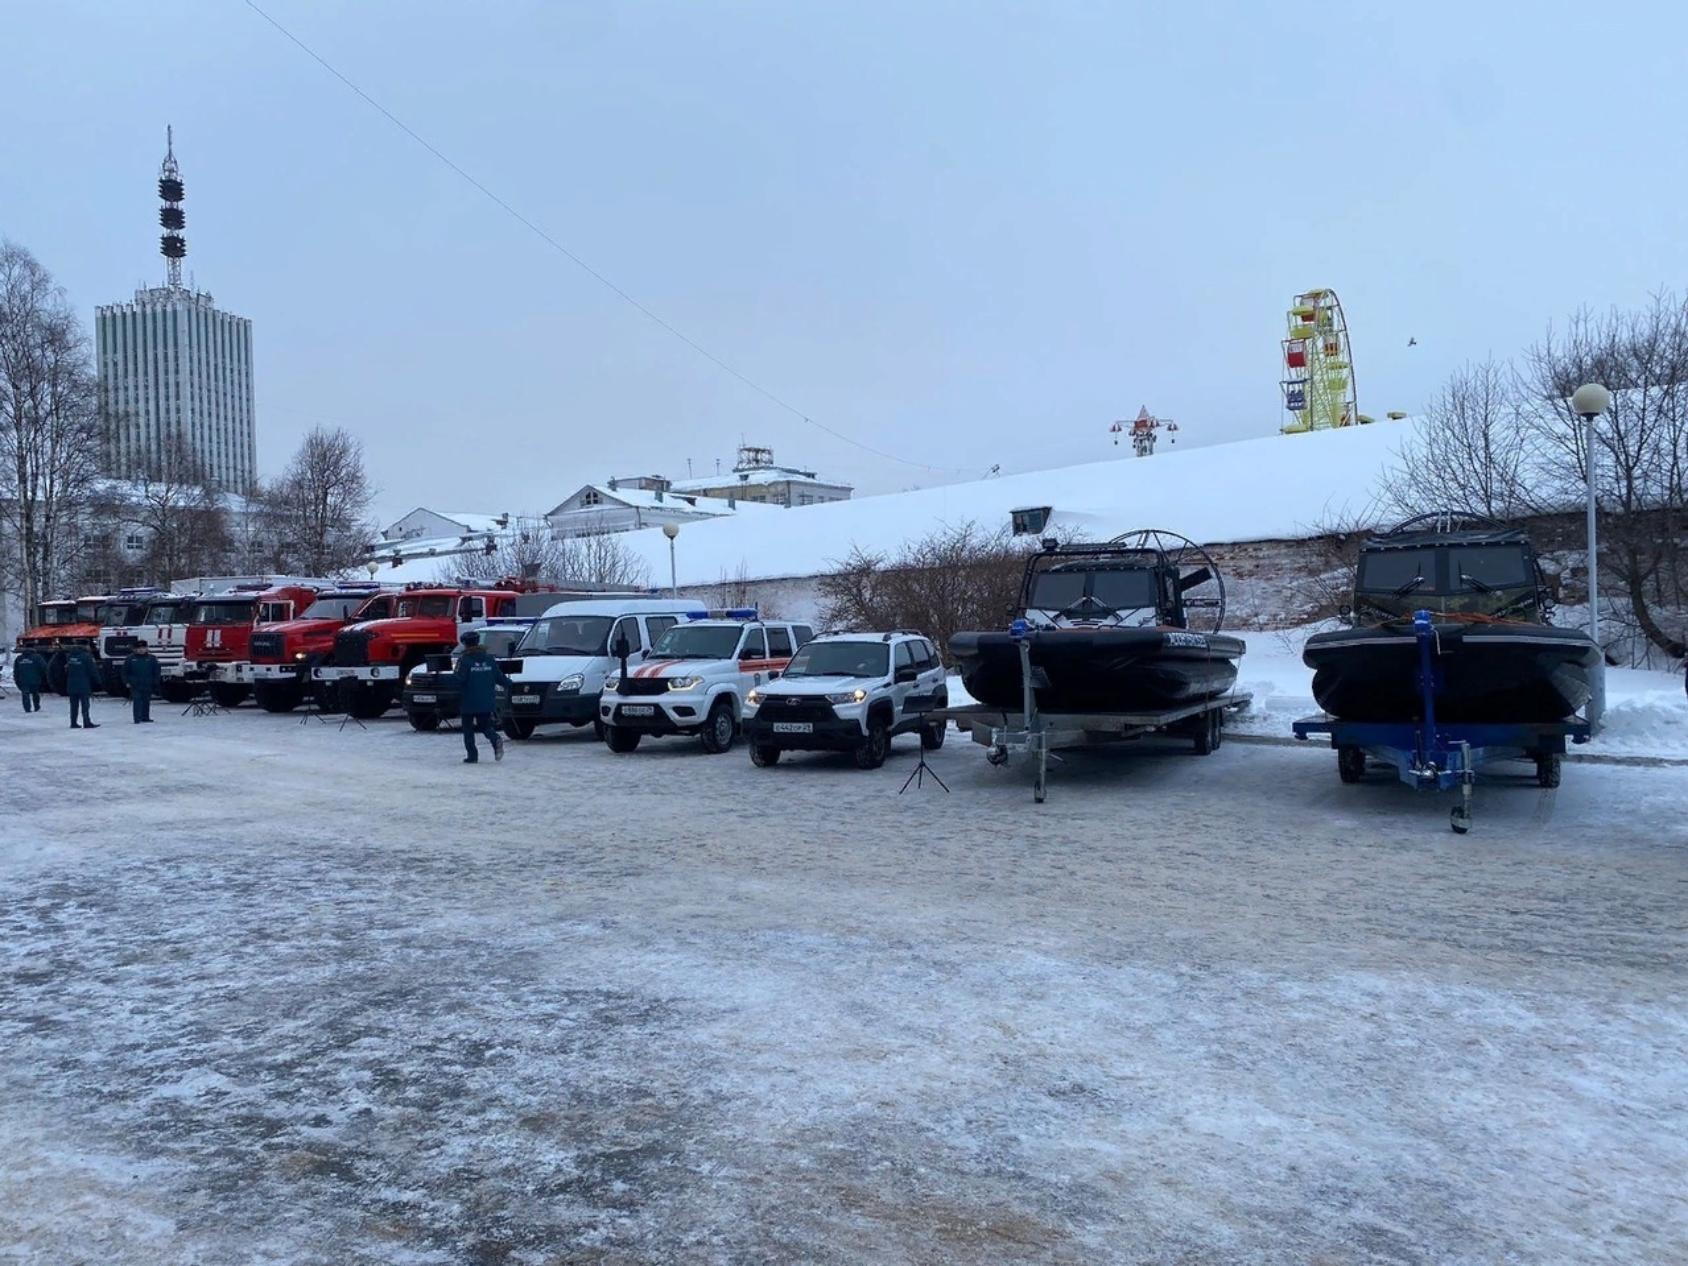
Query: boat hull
1493, 672
1100, 670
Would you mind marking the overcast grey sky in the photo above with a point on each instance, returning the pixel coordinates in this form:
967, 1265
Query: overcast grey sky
967, 234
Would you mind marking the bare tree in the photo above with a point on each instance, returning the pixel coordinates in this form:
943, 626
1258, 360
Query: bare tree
51, 438
317, 510
602, 558
529, 550
957, 577
1640, 458
1472, 451
179, 513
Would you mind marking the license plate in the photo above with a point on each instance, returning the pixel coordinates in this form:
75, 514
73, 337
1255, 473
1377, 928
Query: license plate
638, 710
524, 698
794, 727
347, 674
424, 699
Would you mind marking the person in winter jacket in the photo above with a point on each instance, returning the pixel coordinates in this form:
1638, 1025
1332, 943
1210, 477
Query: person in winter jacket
80, 673
29, 674
141, 674
478, 677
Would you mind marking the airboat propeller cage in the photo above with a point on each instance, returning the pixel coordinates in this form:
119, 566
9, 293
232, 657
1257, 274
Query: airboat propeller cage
1192, 595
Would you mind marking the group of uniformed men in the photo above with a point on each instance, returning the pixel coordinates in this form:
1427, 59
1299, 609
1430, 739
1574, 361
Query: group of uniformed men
140, 673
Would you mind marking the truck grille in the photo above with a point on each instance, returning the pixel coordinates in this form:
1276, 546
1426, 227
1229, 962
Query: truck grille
351, 648
267, 647
119, 645
644, 686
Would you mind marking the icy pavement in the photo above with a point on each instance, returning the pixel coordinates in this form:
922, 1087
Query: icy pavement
279, 993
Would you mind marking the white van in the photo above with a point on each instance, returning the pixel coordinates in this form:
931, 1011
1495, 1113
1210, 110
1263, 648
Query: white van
557, 670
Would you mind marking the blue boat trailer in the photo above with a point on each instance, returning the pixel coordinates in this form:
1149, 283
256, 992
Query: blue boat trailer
1436, 756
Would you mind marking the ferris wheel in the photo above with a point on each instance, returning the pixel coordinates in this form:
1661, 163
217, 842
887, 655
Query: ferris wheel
1318, 378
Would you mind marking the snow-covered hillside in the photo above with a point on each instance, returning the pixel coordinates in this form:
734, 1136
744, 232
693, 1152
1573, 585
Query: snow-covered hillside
1276, 487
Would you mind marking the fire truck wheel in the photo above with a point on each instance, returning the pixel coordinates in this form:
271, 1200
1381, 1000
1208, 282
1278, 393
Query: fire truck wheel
424, 721
275, 696
367, 704
111, 679
519, 727
621, 739
228, 695
56, 673
176, 691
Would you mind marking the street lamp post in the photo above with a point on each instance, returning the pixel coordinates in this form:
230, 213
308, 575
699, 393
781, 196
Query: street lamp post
1588, 402
671, 530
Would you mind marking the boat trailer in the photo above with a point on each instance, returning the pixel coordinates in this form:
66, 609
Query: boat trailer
1433, 756
1040, 733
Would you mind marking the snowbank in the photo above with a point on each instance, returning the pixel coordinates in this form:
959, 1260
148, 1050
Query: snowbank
1277, 487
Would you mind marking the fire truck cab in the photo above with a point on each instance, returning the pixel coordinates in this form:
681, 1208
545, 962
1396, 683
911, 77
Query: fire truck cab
60, 624
143, 614
219, 636
284, 654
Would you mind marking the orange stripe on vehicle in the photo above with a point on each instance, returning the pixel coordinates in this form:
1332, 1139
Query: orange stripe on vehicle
763, 665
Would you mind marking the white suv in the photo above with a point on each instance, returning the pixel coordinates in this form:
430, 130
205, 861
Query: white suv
694, 680
849, 692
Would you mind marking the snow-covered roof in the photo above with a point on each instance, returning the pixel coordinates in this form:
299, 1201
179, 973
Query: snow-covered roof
646, 499
473, 522
757, 475
1276, 487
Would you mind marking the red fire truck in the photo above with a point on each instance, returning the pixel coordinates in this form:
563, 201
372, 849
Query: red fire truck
284, 654
371, 659
220, 626
59, 625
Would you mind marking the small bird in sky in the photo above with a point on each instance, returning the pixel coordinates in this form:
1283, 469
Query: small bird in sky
1412, 342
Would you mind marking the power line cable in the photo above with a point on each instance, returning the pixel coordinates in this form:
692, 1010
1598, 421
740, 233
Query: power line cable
580, 263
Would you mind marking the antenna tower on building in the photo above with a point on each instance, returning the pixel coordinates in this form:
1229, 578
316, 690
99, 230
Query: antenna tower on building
171, 244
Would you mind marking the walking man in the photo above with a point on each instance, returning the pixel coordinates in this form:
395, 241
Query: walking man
141, 674
79, 674
29, 674
478, 678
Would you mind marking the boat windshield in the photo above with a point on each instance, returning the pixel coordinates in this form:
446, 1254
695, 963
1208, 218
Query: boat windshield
840, 659
1397, 571
1094, 591
1485, 568
567, 635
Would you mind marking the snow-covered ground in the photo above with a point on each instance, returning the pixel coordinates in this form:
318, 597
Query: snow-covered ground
273, 992
1646, 712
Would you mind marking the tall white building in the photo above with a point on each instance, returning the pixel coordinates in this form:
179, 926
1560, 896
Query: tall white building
172, 363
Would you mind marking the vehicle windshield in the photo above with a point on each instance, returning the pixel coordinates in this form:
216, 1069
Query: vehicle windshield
172, 612
567, 635
841, 659
224, 612
58, 613
1484, 568
428, 607
1094, 590
120, 615
698, 641
501, 642
1397, 571
274, 612
334, 607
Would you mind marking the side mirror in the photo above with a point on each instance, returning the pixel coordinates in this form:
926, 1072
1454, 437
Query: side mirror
775, 673
645, 654
907, 674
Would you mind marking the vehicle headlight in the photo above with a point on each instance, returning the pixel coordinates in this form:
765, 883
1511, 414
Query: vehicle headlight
684, 683
298, 654
847, 696
612, 681
753, 699
574, 681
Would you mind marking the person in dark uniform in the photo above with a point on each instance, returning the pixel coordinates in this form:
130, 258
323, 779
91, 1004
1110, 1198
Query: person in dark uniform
80, 672
141, 674
29, 674
478, 677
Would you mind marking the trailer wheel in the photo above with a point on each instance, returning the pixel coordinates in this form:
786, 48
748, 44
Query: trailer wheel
1459, 818
424, 721
1205, 740
1548, 769
1350, 763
